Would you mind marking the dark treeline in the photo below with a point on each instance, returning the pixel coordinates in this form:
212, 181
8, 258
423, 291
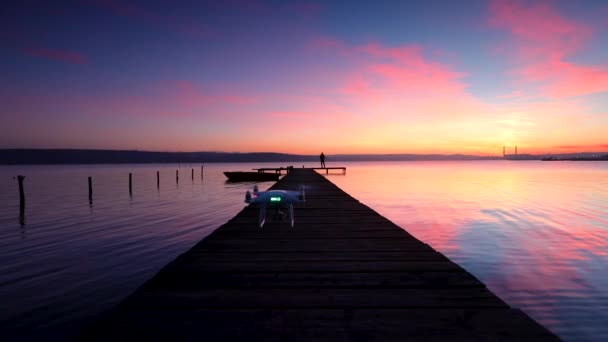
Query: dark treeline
68, 156
406, 157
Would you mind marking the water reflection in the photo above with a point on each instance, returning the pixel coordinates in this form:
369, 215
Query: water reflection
536, 233
22, 213
79, 260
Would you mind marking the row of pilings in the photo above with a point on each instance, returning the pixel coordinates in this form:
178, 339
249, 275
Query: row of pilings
21, 179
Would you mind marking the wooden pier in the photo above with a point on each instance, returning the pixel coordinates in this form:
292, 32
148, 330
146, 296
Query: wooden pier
341, 168
289, 168
274, 169
344, 272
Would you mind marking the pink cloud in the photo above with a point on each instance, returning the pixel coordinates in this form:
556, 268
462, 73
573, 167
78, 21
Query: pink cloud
540, 24
358, 86
57, 55
408, 54
174, 98
189, 94
402, 71
290, 115
21, 42
406, 68
18, 39
159, 100
563, 79
512, 95
544, 40
431, 78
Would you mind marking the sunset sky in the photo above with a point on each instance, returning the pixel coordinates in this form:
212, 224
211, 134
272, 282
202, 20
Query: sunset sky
304, 77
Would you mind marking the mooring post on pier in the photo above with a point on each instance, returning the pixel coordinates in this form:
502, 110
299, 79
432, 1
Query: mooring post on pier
130, 184
21, 191
157, 179
90, 190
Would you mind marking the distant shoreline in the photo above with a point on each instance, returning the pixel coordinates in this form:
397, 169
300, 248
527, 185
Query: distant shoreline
605, 158
74, 156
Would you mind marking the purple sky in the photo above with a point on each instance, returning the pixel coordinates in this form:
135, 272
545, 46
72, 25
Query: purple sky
303, 77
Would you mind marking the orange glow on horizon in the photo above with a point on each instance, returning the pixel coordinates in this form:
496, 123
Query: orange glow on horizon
338, 94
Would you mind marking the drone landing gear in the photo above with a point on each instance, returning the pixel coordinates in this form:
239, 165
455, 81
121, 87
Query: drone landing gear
277, 215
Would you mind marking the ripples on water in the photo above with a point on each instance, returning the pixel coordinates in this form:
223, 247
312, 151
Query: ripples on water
71, 260
535, 232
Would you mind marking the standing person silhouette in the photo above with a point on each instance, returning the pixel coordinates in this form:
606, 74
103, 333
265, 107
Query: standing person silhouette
322, 156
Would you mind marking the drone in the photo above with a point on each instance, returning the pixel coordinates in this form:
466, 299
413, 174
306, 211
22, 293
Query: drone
277, 199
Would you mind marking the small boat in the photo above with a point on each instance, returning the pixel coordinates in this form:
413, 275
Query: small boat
245, 176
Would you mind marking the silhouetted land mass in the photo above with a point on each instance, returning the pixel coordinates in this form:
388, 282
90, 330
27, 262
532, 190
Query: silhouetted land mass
577, 158
69, 156
73, 156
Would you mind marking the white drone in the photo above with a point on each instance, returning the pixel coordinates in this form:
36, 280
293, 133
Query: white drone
277, 199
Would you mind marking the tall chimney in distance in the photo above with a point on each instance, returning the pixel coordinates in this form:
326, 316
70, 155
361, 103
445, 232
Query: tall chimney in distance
516, 150
503, 152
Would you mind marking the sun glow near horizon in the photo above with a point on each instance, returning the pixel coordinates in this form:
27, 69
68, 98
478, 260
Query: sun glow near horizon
302, 79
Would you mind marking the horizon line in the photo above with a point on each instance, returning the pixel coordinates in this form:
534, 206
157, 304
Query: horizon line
298, 154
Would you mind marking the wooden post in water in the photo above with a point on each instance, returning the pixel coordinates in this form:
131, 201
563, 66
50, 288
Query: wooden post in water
21, 201
202, 169
176, 176
130, 184
157, 179
90, 189
21, 191
192, 174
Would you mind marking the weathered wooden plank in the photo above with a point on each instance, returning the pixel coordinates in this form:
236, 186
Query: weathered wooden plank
308, 234
316, 297
312, 244
177, 280
328, 324
317, 213
248, 225
315, 266
203, 254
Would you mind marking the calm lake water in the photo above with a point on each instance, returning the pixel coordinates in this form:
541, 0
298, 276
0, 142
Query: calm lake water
535, 232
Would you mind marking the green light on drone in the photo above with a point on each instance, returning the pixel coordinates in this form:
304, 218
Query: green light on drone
275, 199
